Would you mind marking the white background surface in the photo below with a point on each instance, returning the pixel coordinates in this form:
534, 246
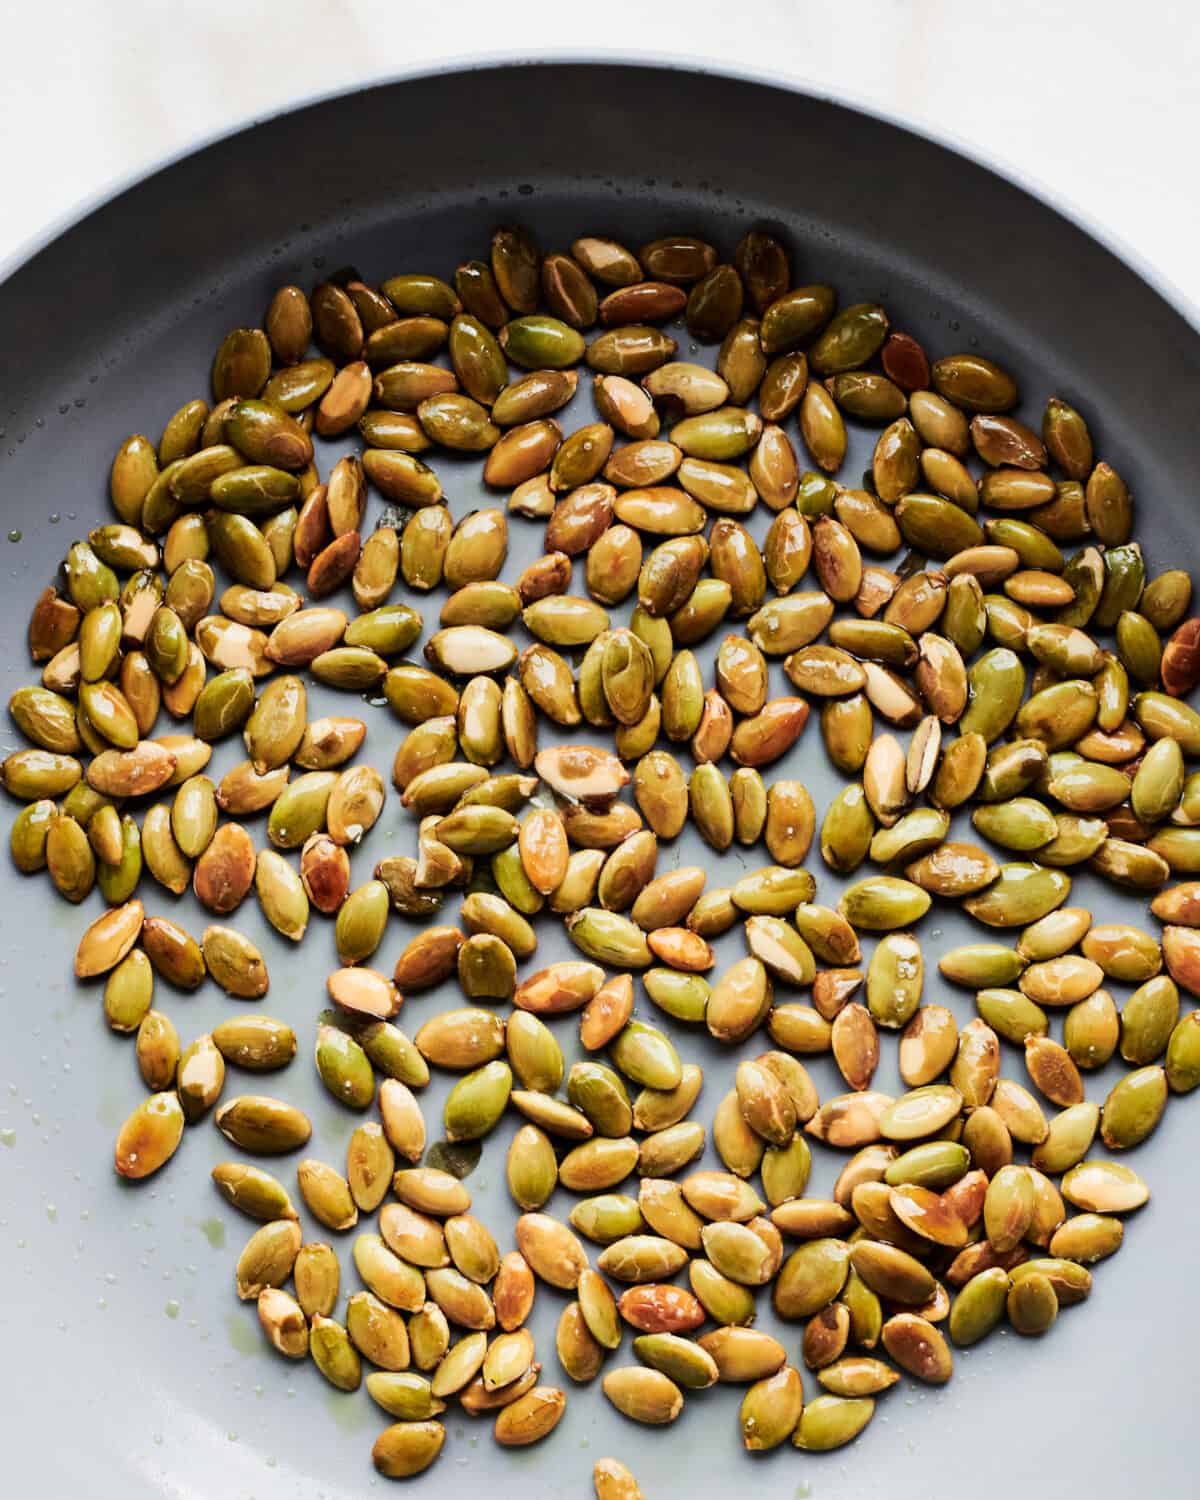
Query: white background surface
1099, 103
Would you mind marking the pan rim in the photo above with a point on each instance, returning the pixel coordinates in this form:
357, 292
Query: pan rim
780, 80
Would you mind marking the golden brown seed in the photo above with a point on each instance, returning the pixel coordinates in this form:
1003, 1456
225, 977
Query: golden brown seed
225, 870
605, 1014
513, 1291
543, 847
1053, 1071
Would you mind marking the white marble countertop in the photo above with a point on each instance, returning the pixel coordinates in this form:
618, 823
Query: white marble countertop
1096, 105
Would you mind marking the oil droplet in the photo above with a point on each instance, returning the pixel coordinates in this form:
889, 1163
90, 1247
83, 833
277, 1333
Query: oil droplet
242, 1336
8, 1138
172, 1308
14, 535
458, 1158
350, 1416
213, 1231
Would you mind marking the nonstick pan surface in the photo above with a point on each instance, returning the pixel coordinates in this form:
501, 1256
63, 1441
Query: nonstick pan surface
129, 1367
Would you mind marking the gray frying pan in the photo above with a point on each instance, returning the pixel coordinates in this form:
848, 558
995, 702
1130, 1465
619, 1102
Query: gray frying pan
129, 1367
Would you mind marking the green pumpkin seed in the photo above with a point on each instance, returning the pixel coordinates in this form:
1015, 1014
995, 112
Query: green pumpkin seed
262, 1125
477, 1101
829, 1422
771, 1410
1133, 1108
979, 1307
1068, 1140
881, 903
343, 1068
646, 1056
1104, 1187
895, 976
795, 317
810, 1278
1022, 894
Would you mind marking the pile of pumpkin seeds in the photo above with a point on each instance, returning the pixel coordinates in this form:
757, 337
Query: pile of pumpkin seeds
983, 672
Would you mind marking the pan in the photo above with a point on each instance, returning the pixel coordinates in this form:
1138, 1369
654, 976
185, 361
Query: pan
129, 1367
